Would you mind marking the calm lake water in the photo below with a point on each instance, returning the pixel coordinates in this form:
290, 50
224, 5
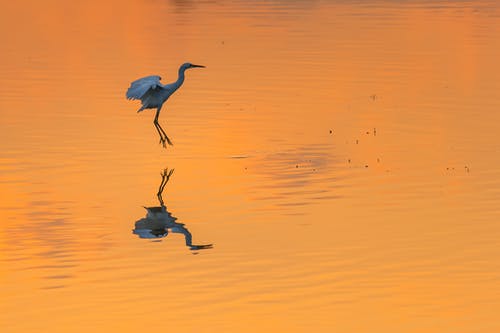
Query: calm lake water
341, 157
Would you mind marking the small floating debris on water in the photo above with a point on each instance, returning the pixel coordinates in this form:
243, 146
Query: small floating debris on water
357, 141
467, 168
374, 131
238, 156
378, 160
331, 131
366, 166
373, 97
349, 161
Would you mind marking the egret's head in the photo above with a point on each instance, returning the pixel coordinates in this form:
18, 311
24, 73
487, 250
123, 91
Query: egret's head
189, 65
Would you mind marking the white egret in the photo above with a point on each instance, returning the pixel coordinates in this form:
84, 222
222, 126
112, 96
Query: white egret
153, 94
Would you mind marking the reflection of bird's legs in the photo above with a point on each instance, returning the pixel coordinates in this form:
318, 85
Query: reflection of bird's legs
161, 132
160, 190
165, 176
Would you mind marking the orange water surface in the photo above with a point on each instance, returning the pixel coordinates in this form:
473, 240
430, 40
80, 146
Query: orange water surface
342, 159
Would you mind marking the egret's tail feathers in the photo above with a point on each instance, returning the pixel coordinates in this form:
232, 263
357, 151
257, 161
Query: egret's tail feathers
141, 109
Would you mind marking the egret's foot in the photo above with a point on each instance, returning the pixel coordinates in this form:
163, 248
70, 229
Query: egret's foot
163, 142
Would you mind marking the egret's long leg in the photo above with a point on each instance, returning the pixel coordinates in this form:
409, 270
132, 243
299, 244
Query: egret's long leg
160, 130
165, 135
162, 139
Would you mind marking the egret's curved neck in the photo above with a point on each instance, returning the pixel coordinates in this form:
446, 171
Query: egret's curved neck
180, 79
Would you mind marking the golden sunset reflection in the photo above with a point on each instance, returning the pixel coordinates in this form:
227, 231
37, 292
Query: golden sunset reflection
336, 167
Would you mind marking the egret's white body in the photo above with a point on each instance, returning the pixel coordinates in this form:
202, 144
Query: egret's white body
153, 94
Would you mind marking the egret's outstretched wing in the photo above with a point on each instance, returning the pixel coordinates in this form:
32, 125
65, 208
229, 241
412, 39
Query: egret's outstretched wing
140, 87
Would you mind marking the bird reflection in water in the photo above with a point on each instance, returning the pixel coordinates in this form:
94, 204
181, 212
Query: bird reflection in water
159, 222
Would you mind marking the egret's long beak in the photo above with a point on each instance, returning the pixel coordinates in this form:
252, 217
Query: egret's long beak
197, 66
